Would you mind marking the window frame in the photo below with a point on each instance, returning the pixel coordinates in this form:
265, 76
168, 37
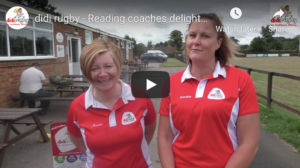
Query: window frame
53, 48
34, 29
1, 21
87, 31
129, 45
122, 44
118, 43
104, 37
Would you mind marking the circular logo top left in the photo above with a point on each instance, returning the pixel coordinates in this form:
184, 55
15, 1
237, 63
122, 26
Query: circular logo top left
17, 17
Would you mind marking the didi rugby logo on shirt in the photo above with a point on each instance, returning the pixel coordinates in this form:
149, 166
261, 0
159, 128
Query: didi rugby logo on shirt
17, 17
216, 94
128, 118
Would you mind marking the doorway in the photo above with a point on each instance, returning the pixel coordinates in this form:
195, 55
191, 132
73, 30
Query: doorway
74, 55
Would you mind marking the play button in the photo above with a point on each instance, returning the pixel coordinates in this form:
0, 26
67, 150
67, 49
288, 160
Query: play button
150, 84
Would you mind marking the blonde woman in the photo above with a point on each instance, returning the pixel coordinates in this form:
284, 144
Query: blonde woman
106, 123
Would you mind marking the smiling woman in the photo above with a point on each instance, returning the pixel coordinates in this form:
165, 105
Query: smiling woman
93, 50
210, 118
107, 123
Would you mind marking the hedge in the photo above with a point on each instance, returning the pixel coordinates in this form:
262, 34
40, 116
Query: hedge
172, 54
268, 52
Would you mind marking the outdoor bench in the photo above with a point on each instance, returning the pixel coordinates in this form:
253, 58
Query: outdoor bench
29, 122
64, 90
18, 98
2, 145
11, 116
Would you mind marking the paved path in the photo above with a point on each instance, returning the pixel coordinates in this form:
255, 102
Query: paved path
30, 153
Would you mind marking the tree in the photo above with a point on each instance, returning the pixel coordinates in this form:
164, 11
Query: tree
140, 49
157, 45
267, 33
235, 40
244, 47
161, 44
39, 4
258, 44
295, 43
278, 43
175, 39
149, 44
134, 44
166, 43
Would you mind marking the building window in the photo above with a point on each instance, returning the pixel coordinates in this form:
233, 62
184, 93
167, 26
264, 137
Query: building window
30, 23
43, 25
118, 43
2, 16
21, 42
129, 44
35, 40
104, 37
88, 37
43, 43
3, 43
122, 44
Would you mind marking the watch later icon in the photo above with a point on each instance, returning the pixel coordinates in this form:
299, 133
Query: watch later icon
236, 13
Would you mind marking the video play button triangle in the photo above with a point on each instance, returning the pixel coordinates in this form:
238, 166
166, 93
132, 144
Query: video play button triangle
149, 84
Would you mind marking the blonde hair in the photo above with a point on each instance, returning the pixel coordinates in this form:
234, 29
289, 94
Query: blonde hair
228, 48
91, 51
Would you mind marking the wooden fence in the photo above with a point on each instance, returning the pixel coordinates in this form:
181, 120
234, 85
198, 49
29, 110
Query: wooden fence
270, 84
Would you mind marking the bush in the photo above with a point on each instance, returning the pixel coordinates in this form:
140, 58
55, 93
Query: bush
172, 54
267, 52
282, 51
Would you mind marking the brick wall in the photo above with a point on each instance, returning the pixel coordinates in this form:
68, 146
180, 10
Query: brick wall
131, 56
95, 35
10, 71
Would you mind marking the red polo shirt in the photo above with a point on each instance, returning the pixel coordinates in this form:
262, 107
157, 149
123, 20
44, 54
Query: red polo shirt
113, 138
203, 115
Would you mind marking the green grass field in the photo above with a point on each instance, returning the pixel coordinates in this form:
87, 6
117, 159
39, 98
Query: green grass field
289, 65
282, 122
172, 62
278, 120
284, 90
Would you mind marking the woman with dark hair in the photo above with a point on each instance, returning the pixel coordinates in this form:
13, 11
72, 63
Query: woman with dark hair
211, 117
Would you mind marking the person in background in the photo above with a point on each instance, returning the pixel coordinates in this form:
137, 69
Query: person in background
136, 61
125, 71
31, 83
125, 66
211, 117
106, 123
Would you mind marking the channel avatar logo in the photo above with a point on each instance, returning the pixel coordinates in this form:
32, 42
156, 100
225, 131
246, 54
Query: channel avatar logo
17, 17
283, 16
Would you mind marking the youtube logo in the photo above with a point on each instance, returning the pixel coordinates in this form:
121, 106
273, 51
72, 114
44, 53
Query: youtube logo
150, 84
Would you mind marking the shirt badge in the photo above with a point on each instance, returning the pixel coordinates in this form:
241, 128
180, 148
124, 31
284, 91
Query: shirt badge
128, 118
216, 94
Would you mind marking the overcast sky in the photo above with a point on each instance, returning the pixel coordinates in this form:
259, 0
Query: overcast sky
255, 14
